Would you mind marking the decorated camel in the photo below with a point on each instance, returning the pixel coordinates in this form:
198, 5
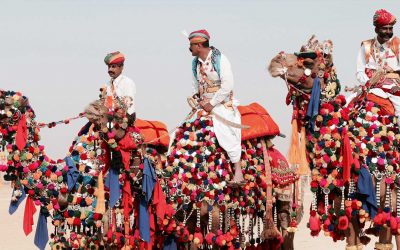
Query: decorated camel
112, 191
353, 149
213, 214
95, 194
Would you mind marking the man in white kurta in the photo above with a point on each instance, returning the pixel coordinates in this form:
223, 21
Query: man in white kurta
381, 53
213, 82
120, 87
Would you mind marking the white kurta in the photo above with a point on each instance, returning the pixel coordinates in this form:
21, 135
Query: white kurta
125, 89
228, 137
383, 58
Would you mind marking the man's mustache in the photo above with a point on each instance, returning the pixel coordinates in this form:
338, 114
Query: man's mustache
110, 72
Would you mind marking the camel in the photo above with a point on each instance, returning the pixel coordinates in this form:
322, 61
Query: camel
212, 214
353, 149
77, 192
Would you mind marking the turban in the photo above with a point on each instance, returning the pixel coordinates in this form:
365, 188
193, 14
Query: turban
114, 58
383, 17
199, 36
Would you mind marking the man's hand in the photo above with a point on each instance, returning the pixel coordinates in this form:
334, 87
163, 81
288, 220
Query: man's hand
394, 89
206, 106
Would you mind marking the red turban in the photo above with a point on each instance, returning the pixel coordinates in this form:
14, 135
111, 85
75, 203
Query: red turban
383, 17
199, 36
114, 58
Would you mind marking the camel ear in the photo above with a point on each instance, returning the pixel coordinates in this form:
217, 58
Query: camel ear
24, 102
9, 101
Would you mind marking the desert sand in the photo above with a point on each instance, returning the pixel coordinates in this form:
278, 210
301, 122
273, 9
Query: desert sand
12, 236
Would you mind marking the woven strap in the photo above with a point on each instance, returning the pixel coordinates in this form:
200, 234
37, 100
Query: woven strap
268, 175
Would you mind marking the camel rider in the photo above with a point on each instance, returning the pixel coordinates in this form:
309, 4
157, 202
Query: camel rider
213, 85
120, 88
382, 53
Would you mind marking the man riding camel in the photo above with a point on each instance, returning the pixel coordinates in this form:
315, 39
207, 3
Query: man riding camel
120, 88
381, 54
213, 89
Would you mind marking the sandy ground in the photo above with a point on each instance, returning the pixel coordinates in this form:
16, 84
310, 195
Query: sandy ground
12, 236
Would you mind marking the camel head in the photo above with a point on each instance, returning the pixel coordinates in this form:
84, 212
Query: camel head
301, 70
107, 122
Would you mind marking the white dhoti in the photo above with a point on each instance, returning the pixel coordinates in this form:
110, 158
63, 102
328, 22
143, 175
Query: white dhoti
229, 138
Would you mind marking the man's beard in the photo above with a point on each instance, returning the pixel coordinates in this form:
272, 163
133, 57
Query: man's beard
386, 36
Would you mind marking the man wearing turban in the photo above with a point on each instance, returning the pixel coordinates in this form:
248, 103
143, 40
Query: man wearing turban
213, 85
120, 87
381, 54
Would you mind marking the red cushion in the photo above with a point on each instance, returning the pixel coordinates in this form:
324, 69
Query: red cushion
154, 132
260, 122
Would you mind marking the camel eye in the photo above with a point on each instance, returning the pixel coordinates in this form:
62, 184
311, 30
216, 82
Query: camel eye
308, 64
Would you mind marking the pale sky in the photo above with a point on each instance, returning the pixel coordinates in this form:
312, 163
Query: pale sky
53, 51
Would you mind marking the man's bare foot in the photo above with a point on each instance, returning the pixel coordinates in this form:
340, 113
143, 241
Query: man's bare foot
238, 179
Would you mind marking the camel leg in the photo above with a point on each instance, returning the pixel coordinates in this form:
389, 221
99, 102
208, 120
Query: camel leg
394, 206
215, 225
215, 219
204, 220
352, 239
397, 239
385, 234
283, 208
352, 235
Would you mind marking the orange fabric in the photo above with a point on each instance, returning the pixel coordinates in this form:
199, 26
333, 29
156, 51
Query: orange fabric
385, 104
304, 168
154, 132
394, 46
368, 48
294, 154
259, 120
